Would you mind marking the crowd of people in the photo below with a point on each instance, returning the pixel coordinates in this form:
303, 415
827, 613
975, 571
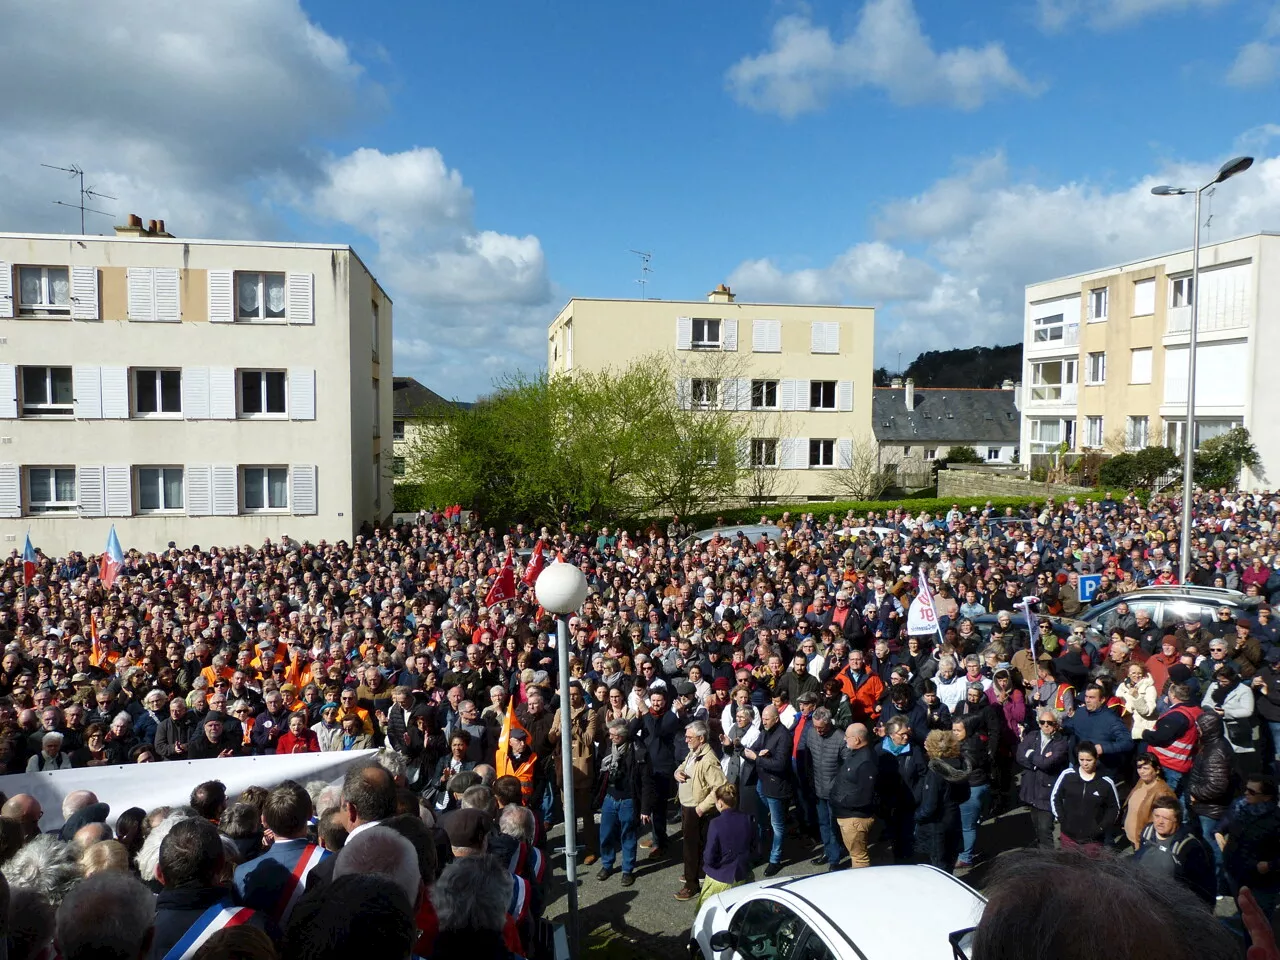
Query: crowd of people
737, 704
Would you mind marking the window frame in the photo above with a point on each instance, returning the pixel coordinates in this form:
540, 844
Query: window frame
930, 453
265, 469
1090, 422
55, 506
1096, 295
705, 343
993, 453
762, 388
710, 388
759, 447
264, 414
397, 429
399, 466
137, 393
1095, 358
160, 470
825, 449
46, 309
1180, 289
817, 388
1047, 326
49, 409
1129, 435
262, 276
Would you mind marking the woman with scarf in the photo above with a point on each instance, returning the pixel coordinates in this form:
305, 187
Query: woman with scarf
1233, 701
943, 788
744, 731
901, 765
328, 731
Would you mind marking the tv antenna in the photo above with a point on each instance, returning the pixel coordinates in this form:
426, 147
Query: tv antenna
645, 256
86, 193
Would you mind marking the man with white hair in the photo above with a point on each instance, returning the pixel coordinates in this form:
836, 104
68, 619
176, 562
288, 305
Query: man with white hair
382, 851
471, 899
109, 916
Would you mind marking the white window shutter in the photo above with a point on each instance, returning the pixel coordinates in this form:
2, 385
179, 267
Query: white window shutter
195, 394
766, 336
89, 492
786, 394
226, 492
119, 496
115, 393
844, 454
300, 298
729, 335
744, 394
684, 393
302, 393
222, 393
744, 451
10, 490
684, 333
833, 337
844, 395
802, 453
802, 396
775, 336
84, 293
86, 383
817, 337
8, 391
221, 296
6, 289
302, 489
198, 481
142, 293
167, 299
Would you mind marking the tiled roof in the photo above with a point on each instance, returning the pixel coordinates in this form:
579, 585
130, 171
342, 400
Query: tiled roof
411, 399
945, 415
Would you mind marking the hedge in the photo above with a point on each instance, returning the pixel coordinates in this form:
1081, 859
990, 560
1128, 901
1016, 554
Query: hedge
409, 498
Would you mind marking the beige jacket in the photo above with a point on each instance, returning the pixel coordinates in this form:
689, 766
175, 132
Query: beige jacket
699, 791
588, 729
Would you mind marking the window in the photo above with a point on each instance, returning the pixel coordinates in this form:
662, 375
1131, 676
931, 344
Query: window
262, 393
266, 488
822, 453
1096, 369
51, 489
765, 929
397, 466
708, 456
1140, 365
1054, 381
1047, 436
1144, 298
1098, 304
157, 392
260, 296
906, 451
1135, 433
1175, 430
706, 334
822, 394
43, 291
993, 453
764, 394
704, 392
764, 452
377, 410
374, 332
1180, 292
1093, 432
931, 453
397, 429
46, 392
1053, 330
159, 489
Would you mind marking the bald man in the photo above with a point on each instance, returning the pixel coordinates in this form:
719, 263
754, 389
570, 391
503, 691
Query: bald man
26, 810
853, 795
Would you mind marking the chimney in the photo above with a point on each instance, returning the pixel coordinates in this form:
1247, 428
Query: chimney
896, 383
1006, 385
1017, 395
131, 228
910, 386
720, 294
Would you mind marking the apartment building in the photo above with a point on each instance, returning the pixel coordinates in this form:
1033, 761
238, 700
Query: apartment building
414, 408
801, 374
1105, 353
195, 391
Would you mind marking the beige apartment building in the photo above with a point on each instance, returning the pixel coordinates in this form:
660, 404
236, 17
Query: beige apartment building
801, 374
1105, 353
195, 391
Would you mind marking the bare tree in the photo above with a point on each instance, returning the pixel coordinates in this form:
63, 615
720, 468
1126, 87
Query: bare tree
867, 473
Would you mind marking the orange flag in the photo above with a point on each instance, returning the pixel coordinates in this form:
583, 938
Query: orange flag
509, 722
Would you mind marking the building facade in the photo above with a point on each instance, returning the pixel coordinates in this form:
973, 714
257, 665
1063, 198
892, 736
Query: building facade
200, 392
414, 408
801, 374
1105, 353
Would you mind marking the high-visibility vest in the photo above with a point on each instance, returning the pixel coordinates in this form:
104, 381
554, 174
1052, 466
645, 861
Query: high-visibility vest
1178, 755
522, 770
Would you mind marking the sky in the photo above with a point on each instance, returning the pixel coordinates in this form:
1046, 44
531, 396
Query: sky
489, 161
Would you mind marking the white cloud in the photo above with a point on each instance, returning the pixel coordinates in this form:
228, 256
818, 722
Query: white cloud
967, 246
887, 50
209, 116
1110, 14
1258, 62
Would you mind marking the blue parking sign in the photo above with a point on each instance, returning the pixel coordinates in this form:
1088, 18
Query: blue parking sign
1089, 585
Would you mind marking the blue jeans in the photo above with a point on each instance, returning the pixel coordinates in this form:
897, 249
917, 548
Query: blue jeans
1207, 827
1274, 727
1173, 778
970, 816
548, 805
618, 823
777, 809
828, 831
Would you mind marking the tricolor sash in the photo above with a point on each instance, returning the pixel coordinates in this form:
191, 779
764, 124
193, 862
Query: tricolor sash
519, 908
221, 914
296, 883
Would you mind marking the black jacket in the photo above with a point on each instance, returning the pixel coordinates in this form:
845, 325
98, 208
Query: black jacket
774, 770
177, 910
172, 732
982, 737
1085, 808
944, 787
825, 757
1183, 857
659, 735
1043, 767
854, 792
899, 779
1208, 787
630, 780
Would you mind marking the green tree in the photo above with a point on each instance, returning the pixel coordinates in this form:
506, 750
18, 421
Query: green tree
1220, 459
963, 454
1151, 463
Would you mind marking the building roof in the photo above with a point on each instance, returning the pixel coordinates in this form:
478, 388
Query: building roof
944, 415
411, 399
1127, 265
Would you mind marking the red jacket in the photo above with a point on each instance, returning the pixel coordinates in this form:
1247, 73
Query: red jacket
306, 742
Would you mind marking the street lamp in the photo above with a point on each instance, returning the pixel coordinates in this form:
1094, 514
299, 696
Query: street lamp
561, 589
1227, 170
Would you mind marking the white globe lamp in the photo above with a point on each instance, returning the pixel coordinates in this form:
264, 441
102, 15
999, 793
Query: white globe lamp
561, 588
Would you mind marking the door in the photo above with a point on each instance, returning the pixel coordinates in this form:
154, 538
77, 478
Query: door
768, 930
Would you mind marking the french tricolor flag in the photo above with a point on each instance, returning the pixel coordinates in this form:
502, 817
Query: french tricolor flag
28, 562
112, 560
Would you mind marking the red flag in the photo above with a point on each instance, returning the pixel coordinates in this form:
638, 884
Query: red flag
536, 563
504, 587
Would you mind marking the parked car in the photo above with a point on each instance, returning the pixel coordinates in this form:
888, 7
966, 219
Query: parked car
816, 917
752, 531
986, 622
1168, 606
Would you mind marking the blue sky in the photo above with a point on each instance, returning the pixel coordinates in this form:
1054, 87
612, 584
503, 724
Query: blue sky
491, 160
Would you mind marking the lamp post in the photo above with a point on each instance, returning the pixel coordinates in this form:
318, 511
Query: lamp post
1228, 170
561, 589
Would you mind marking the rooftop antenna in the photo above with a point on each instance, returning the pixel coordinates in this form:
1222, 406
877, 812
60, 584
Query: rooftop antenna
1209, 197
645, 256
85, 193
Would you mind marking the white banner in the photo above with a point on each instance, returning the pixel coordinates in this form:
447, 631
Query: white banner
921, 618
169, 783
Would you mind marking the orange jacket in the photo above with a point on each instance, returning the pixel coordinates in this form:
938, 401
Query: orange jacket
864, 699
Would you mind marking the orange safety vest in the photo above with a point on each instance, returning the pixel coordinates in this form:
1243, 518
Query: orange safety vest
1177, 755
523, 771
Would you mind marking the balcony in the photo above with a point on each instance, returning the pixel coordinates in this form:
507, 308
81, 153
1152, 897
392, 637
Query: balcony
1180, 320
1209, 320
1054, 338
1060, 393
